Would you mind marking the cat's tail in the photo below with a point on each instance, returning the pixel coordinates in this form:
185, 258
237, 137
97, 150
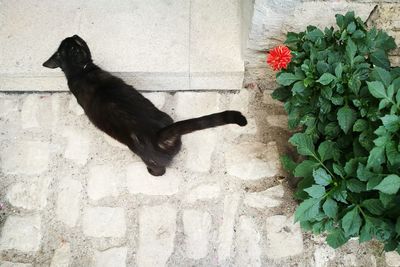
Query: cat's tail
168, 136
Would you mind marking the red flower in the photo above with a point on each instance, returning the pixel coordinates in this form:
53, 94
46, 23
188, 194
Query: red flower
279, 57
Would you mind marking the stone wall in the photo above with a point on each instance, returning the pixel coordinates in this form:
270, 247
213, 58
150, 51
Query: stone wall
271, 20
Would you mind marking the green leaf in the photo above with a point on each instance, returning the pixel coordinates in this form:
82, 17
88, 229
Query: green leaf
374, 206
307, 210
303, 143
381, 140
305, 182
386, 199
391, 123
336, 238
377, 89
383, 103
389, 185
373, 181
376, 157
351, 27
327, 92
351, 222
351, 50
314, 35
358, 34
321, 177
360, 125
393, 109
398, 226
382, 75
339, 170
346, 117
380, 59
305, 168
326, 79
384, 41
340, 20
306, 225
281, 93
366, 232
390, 91
330, 208
355, 185
298, 88
398, 97
337, 100
315, 191
363, 174
340, 193
328, 150
339, 70
288, 163
318, 227
292, 37
392, 153
332, 129
287, 79
354, 84
322, 67
351, 167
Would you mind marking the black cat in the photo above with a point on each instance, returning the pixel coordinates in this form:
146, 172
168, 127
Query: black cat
123, 113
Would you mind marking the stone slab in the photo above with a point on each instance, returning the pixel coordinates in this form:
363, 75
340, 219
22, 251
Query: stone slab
104, 222
157, 226
21, 233
140, 181
165, 42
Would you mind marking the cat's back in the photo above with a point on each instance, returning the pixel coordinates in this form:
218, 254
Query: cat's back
114, 100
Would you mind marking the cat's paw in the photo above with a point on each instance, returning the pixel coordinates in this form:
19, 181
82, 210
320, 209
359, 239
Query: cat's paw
156, 171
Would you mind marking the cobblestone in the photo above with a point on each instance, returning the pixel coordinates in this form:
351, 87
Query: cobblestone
199, 148
139, 181
249, 251
252, 161
104, 222
68, 202
189, 105
270, 198
61, 256
225, 239
30, 194
157, 226
203, 192
21, 233
284, 238
25, 157
103, 182
392, 259
115, 257
72, 196
77, 148
14, 264
197, 226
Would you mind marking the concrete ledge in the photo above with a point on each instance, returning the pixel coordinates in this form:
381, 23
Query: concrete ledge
143, 81
157, 45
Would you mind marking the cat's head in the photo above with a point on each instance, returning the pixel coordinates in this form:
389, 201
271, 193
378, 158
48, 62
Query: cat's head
73, 52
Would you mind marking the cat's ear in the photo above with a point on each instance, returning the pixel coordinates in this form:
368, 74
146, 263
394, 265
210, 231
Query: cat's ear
53, 62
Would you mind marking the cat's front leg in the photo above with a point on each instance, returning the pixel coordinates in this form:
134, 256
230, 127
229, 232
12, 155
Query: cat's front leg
156, 171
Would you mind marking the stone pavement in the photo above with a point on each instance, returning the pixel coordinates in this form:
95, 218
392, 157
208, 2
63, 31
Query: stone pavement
71, 196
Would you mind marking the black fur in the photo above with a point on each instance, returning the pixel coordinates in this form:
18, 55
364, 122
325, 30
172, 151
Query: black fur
123, 113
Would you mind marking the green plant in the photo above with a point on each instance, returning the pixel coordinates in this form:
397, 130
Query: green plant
343, 98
